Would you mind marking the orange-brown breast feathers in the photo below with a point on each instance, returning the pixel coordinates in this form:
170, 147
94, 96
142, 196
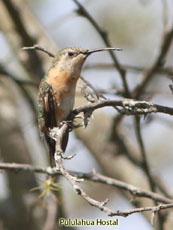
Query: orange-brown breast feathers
63, 86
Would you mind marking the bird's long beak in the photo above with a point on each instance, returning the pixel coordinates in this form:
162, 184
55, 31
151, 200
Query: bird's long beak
103, 49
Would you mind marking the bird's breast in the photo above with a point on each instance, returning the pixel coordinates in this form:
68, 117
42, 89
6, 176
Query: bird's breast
63, 86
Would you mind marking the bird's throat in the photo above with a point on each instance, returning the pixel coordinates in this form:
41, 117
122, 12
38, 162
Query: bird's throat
61, 79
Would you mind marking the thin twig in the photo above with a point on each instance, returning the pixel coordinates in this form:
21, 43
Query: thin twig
37, 47
145, 164
130, 106
97, 93
166, 42
92, 176
136, 191
154, 209
143, 154
82, 11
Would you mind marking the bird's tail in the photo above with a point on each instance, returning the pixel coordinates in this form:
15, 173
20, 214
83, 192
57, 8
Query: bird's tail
52, 146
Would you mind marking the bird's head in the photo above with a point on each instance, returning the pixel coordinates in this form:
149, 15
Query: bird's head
71, 59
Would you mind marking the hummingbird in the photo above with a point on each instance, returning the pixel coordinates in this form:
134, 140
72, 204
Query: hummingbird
57, 92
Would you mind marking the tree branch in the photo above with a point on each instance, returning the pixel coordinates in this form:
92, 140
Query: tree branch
92, 176
143, 154
130, 107
37, 47
147, 74
82, 11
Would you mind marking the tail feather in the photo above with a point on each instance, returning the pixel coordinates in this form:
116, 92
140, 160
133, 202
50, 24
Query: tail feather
52, 147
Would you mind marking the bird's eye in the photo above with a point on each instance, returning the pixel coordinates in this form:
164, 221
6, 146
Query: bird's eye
71, 54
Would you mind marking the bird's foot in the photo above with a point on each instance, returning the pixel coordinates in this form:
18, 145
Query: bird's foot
67, 157
68, 123
59, 154
77, 124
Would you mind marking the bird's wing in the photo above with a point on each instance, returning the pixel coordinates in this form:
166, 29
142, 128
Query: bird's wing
46, 107
47, 115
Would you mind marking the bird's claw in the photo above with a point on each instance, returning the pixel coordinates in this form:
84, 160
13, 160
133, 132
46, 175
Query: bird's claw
68, 123
68, 157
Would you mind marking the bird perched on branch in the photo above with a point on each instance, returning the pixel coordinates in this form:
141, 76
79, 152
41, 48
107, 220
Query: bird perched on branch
57, 92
